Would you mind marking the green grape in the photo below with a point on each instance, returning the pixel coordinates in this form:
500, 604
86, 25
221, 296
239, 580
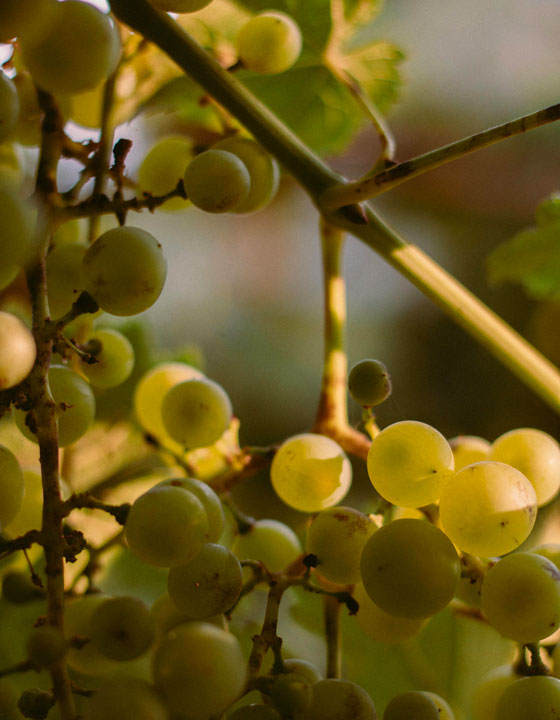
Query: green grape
80, 48
410, 568
152, 388
551, 551
531, 698
16, 235
76, 406
86, 108
12, 486
409, 705
163, 167
269, 43
207, 585
64, 282
443, 707
489, 690
263, 171
9, 107
269, 541
381, 626
409, 462
369, 383
124, 270
217, 181
488, 508
310, 472
468, 449
180, 6
255, 711
307, 670
166, 526
521, 597
122, 628
12, 169
337, 536
199, 670
46, 645
340, 700
17, 351
125, 699
210, 501
290, 694
28, 19
115, 358
30, 514
77, 623
534, 453
548, 210
196, 412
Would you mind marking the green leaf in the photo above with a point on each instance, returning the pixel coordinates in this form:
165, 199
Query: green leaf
532, 259
375, 68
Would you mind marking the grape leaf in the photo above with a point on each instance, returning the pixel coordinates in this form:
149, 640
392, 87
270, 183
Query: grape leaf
532, 259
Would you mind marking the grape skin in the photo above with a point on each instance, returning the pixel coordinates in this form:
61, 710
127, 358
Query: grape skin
444, 709
488, 508
411, 705
9, 107
64, 281
17, 351
271, 542
17, 228
340, 700
77, 621
369, 382
12, 486
217, 181
210, 501
124, 270
30, 514
537, 698
122, 628
269, 43
488, 692
162, 168
115, 359
468, 449
310, 472
381, 626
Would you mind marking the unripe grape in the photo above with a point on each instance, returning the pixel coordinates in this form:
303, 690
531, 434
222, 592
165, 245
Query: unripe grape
340, 700
369, 383
271, 542
124, 270
115, 358
9, 107
210, 501
537, 698
304, 668
468, 449
180, 6
122, 628
410, 705
12, 486
125, 699
46, 645
17, 351
217, 181
77, 623
269, 43
163, 167
64, 282
444, 709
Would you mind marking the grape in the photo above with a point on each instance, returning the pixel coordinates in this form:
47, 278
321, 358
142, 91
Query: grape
124, 270
199, 670
521, 597
115, 358
122, 628
208, 585
269, 43
12, 168
255, 711
271, 542
46, 645
489, 690
64, 282
411, 705
409, 462
263, 171
443, 707
310, 472
76, 403
381, 626
548, 210
304, 668
28, 19
468, 449
410, 568
86, 108
77, 623
163, 167
290, 694
12, 486
28, 128
534, 698
81, 48
17, 226
217, 181
17, 351
210, 501
196, 412
9, 107
30, 515
180, 6
125, 699
536, 455
488, 508
340, 700
166, 526
551, 551
337, 536
369, 383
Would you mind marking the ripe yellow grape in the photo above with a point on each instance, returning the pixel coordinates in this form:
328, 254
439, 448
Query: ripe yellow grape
271, 542
468, 449
9, 107
269, 43
163, 167
381, 626
488, 508
80, 49
409, 462
64, 281
180, 6
311, 472
17, 351
12, 486
217, 181
534, 453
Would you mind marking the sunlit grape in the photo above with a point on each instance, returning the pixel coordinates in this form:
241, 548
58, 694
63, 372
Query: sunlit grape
9, 107
115, 358
210, 501
468, 449
537, 698
125, 699
17, 351
217, 181
369, 382
273, 543
64, 281
340, 700
269, 43
488, 508
12, 486
381, 626
311, 472
163, 167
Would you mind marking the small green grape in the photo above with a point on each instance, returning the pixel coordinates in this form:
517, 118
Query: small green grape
263, 171
77, 622
444, 709
115, 358
310, 472
163, 167
180, 6
64, 282
381, 626
269, 43
124, 270
410, 568
304, 668
16, 235
196, 412
125, 699
340, 700
17, 351
81, 48
468, 449
488, 508
46, 645
521, 597
29, 19
409, 705
12, 486
122, 628
537, 698
217, 181
290, 694
369, 383
271, 542
9, 107
409, 462
210, 501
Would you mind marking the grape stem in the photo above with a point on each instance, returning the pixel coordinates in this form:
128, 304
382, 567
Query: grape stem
331, 616
23, 542
83, 501
21, 667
